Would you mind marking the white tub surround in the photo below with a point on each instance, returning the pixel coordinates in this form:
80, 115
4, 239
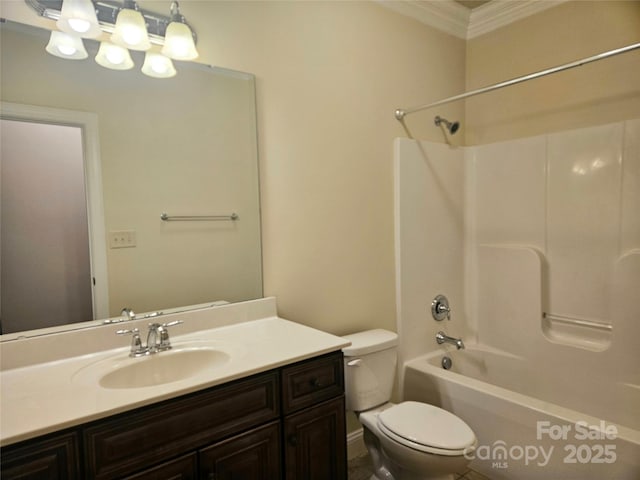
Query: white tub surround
51, 382
536, 243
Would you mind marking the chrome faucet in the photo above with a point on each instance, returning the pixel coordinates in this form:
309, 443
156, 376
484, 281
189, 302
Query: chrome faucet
442, 338
137, 349
128, 314
158, 336
157, 339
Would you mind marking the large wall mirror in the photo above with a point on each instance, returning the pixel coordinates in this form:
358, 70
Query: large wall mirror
185, 146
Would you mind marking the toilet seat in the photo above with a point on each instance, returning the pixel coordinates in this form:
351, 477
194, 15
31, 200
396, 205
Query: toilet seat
426, 428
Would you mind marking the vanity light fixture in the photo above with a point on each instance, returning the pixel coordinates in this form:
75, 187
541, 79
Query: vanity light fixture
78, 17
66, 46
130, 30
178, 42
114, 57
158, 66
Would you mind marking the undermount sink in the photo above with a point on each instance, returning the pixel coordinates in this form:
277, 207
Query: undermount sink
153, 370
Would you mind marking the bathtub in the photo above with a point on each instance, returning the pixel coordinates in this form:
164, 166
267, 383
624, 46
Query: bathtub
524, 419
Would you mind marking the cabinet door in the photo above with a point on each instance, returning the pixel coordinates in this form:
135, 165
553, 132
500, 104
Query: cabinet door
183, 468
315, 443
254, 455
54, 458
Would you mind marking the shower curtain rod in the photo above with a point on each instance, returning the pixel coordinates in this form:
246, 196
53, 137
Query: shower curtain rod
401, 113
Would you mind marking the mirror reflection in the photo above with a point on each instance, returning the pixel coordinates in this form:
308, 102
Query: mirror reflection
184, 146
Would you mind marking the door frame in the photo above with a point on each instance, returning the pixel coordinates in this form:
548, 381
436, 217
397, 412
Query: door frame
88, 123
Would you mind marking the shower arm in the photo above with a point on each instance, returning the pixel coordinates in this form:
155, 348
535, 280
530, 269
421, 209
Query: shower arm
401, 113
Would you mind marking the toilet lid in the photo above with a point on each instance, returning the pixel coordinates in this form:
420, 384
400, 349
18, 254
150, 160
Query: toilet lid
426, 425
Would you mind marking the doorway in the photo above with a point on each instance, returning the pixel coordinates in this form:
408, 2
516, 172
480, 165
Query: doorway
47, 274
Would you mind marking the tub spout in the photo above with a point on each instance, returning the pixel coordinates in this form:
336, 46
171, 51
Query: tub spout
442, 338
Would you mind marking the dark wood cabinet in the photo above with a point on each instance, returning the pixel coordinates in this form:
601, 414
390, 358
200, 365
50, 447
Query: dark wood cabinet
315, 443
125, 443
314, 420
285, 423
254, 455
182, 468
54, 457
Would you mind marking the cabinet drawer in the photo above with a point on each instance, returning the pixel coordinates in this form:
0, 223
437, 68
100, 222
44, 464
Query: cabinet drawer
183, 468
132, 441
312, 381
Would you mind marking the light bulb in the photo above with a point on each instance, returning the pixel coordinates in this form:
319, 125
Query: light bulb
130, 30
78, 17
178, 42
79, 25
66, 46
67, 50
158, 66
114, 57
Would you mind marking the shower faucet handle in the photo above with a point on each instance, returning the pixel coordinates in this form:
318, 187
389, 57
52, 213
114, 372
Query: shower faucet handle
440, 308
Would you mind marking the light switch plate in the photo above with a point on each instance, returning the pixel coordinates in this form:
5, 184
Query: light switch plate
122, 239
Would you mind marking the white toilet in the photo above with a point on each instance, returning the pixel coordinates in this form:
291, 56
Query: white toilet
409, 440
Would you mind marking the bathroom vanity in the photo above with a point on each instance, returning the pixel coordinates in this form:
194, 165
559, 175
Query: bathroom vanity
273, 409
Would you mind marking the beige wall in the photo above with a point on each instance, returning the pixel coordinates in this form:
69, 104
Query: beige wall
329, 77
594, 94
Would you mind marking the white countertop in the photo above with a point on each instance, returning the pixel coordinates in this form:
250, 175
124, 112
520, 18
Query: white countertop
46, 397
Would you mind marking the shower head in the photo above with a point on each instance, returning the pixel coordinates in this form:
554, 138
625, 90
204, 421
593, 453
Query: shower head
451, 126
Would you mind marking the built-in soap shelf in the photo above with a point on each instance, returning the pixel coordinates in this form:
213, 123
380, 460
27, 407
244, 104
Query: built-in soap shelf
576, 331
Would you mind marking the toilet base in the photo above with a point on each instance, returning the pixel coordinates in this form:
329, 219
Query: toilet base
391, 461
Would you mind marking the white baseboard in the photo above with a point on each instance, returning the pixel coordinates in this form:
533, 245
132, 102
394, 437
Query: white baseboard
355, 444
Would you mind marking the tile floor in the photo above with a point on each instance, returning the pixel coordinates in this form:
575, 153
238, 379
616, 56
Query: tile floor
360, 469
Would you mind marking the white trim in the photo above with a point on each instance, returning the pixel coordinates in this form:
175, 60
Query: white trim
88, 122
462, 22
445, 15
355, 444
499, 13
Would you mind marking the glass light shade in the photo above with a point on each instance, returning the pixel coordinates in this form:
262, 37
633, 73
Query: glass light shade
178, 42
66, 46
114, 57
130, 30
78, 17
158, 66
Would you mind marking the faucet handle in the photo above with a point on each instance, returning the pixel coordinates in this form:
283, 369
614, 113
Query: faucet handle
440, 308
137, 350
126, 331
159, 340
172, 324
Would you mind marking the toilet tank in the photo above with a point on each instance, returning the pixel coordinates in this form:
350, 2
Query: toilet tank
369, 368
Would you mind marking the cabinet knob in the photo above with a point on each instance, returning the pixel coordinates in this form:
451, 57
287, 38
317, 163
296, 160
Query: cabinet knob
293, 440
315, 382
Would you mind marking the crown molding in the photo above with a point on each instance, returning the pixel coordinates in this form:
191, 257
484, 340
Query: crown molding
462, 22
445, 15
499, 13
